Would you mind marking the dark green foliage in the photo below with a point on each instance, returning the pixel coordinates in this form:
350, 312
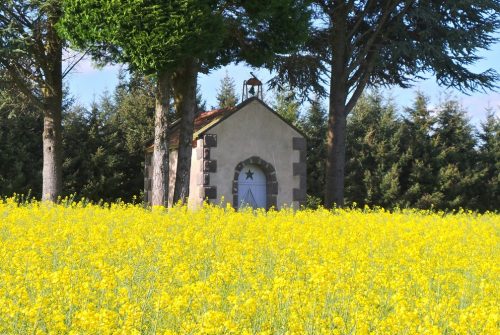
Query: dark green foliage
424, 159
104, 146
418, 164
200, 102
157, 35
31, 61
360, 44
92, 166
134, 101
488, 165
314, 126
226, 94
287, 106
454, 142
21, 127
372, 153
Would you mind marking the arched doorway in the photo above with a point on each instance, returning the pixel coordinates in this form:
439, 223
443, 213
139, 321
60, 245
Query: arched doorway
259, 192
252, 187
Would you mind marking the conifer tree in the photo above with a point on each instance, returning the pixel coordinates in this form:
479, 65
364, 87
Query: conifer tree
314, 126
176, 40
21, 124
453, 138
488, 168
31, 52
94, 166
286, 105
134, 99
373, 153
418, 156
104, 145
226, 94
353, 45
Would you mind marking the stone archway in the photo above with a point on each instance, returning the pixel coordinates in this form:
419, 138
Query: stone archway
271, 182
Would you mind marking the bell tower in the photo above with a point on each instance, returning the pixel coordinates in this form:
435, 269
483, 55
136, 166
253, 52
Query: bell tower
252, 88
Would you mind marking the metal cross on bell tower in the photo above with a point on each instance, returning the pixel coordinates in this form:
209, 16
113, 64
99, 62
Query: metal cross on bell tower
252, 88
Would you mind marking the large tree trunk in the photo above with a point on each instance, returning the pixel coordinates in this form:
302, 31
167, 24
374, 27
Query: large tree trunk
160, 153
52, 150
52, 115
184, 84
335, 164
337, 119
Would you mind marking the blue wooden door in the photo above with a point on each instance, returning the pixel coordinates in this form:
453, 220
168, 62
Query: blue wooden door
252, 187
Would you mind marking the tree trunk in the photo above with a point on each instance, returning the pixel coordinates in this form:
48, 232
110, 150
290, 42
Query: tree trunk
337, 118
184, 84
52, 115
335, 164
52, 150
160, 146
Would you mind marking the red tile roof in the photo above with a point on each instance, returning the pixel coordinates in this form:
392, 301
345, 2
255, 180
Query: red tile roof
203, 119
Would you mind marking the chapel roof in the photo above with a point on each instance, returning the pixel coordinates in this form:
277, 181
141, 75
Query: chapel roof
201, 120
206, 120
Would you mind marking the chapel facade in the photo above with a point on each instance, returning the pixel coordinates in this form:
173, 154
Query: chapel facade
247, 155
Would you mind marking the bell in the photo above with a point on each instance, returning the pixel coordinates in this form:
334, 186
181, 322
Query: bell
251, 91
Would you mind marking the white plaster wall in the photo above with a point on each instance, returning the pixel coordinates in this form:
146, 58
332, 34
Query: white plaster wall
254, 131
195, 199
172, 168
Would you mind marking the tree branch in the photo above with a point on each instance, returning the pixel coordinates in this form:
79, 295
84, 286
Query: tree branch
375, 34
17, 17
360, 19
362, 82
21, 84
72, 66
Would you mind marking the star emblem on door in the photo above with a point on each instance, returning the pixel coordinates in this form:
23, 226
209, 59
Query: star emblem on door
249, 175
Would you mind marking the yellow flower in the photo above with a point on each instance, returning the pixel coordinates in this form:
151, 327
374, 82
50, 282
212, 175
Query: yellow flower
123, 269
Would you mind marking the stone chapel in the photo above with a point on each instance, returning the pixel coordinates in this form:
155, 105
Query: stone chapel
247, 155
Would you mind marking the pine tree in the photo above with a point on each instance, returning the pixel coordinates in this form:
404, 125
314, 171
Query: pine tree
226, 94
31, 59
372, 170
454, 141
361, 44
105, 145
488, 168
388, 148
287, 106
314, 126
418, 164
20, 143
95, 156
200, 101
135, 102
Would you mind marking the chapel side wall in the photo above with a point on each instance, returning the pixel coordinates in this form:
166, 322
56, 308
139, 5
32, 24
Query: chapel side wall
195, 200
255, 131
148, 176
172, 170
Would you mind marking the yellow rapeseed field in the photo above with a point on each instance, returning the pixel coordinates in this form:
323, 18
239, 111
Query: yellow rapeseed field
121, 269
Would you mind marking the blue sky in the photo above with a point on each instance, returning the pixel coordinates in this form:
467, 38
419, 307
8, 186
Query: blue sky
88, 83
